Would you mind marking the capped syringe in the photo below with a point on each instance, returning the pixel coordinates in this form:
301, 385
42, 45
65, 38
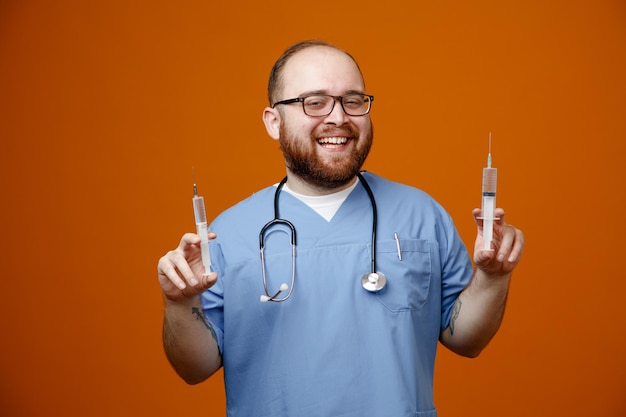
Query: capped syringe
202, 229
490, 179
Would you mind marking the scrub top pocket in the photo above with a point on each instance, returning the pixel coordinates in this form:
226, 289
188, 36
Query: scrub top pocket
409, 278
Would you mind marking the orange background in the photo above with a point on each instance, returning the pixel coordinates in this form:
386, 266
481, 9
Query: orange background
107, 105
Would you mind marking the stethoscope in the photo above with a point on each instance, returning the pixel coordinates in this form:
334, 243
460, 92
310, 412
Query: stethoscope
372, 281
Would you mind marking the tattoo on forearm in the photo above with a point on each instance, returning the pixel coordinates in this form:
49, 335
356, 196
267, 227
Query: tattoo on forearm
455, 314
200, 316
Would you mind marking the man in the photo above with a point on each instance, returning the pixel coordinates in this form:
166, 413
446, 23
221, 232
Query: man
321, 344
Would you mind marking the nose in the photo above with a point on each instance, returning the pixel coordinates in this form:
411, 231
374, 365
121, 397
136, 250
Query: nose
337, 116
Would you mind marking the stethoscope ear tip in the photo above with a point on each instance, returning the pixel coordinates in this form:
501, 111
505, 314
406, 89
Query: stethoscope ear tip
283, 287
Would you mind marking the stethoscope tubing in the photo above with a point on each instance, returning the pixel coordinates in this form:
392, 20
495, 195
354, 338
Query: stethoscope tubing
278, 220
374, 218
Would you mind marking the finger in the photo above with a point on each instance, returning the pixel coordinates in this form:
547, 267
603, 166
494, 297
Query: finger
477, 213
175, 268
167, 270
512, 245
499, 215
518, 247
188, 239
506, 242
483, 257
193, 239
183, 269
207, 281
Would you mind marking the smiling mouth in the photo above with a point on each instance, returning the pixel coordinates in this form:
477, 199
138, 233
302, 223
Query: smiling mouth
333, 142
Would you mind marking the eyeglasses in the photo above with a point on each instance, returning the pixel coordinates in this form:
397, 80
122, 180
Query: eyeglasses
320, 105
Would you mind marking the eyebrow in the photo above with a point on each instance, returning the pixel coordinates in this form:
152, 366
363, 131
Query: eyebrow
325, 92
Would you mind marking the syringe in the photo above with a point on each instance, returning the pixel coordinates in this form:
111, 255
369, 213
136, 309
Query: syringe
490, 177
202, 230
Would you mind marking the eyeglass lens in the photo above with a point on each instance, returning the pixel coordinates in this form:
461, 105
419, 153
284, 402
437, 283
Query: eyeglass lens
322, 105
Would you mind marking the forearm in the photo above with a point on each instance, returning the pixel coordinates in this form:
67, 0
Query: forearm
190, 342
477, 314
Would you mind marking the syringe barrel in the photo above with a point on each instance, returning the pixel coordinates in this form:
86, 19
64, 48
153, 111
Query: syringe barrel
490, 179
198, 210
204, 247
202, 230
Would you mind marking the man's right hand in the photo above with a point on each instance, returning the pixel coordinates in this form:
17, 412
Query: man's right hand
181, 273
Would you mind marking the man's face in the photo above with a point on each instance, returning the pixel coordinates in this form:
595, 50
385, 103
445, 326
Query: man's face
327, 152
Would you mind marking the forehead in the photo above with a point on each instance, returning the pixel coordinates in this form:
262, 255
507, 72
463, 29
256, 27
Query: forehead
321, 69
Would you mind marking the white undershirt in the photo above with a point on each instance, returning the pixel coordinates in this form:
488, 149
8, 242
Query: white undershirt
325, 205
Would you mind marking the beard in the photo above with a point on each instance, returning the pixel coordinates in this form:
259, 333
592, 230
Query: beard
303, 159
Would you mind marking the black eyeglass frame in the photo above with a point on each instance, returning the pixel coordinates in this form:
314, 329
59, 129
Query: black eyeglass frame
369, 98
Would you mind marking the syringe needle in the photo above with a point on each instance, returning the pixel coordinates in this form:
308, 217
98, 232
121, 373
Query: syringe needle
193, 179
489, 153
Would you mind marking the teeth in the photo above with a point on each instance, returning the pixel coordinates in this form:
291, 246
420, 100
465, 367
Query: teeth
334, 140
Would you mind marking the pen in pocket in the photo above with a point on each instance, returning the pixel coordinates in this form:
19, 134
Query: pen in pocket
395, 236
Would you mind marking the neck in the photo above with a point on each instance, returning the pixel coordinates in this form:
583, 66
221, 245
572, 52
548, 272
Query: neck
301, 186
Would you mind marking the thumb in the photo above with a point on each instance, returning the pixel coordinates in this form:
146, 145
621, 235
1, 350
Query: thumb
482, 257
203, 283
207, 281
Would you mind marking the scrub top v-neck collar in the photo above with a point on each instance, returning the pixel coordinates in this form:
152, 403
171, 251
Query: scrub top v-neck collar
326, 206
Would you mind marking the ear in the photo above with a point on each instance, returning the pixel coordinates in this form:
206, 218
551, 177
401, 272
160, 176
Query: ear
271, 118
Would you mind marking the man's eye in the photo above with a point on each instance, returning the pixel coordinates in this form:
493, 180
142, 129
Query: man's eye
353, 101
315, 102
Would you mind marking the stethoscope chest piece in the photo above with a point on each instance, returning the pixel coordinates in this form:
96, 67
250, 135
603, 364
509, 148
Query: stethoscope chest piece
374, 281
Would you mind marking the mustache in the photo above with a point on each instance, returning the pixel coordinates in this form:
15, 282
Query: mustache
336, 131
